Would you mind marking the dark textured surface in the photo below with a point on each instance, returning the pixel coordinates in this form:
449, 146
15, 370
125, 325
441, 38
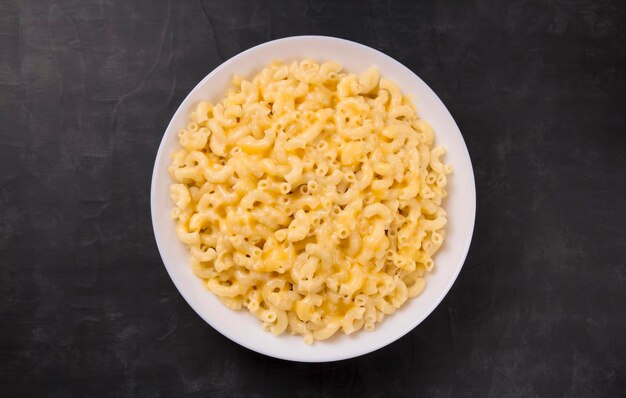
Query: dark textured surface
537, 88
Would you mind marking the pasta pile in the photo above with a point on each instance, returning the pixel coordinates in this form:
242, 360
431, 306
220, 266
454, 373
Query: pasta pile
311, 197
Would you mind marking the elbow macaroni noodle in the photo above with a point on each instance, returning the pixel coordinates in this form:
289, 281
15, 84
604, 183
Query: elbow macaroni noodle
311, 197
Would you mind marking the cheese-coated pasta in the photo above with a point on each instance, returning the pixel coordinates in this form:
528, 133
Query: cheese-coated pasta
311, 197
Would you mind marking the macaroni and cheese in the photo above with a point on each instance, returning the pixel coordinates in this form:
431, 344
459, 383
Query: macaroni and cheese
311, 197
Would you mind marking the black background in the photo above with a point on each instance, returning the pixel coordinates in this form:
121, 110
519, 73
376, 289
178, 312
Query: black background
88, 87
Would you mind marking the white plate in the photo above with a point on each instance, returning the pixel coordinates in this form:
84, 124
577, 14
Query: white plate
240, 326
